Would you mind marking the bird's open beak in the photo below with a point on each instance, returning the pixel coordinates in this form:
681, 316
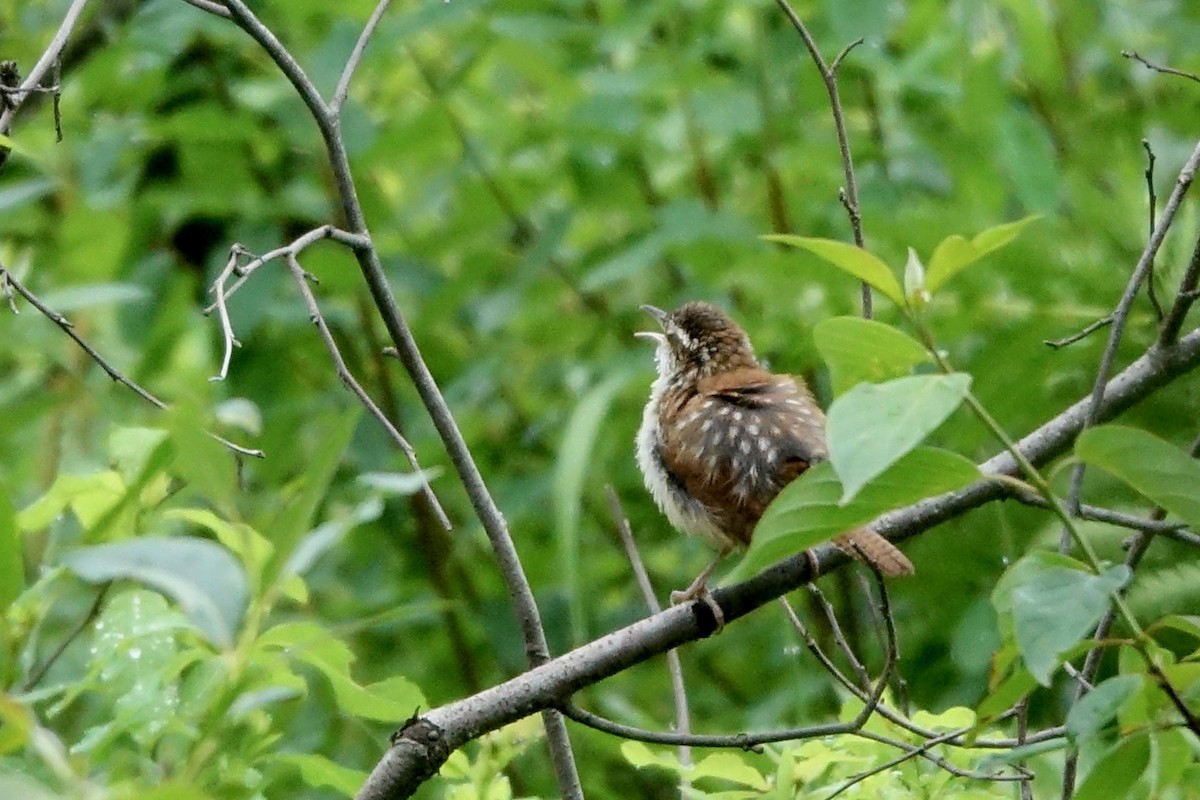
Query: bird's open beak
660, 316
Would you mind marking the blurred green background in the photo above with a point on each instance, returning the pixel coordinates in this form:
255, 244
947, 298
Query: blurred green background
532, 171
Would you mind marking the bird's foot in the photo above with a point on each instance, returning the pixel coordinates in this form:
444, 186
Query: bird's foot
699, 591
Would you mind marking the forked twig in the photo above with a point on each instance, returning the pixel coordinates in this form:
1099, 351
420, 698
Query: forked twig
9, 280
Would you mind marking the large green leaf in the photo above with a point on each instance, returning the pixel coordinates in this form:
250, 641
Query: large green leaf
954, 253
1115, 773
1054, 607
1157, 469
848, 258
873, 425
201, 576
808, 512
859, 350
572, 470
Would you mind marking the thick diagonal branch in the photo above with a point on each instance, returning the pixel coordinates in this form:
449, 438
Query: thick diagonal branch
424, 743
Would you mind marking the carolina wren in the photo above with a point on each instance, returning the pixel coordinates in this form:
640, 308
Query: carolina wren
721, 436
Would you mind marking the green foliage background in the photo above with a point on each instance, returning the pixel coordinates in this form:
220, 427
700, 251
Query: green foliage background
532, 171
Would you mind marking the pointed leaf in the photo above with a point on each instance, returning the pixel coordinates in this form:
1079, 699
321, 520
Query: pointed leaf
848, 258
859, 350
1055, 608
954, 253
873, 425
1155, 468
807, 511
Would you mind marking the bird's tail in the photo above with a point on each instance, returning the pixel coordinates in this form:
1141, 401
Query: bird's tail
867, 545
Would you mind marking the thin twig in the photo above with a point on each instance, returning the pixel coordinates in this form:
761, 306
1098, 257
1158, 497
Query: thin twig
211, 7
66, 327
1172, 530
1121, 314
235, 253
244, 272
1171, 325
920, 751
1191, 76
44, 65
849, 194
683, 719
814, 648
1152, 202
1083, 334
343, 84
347, 378
860, 671
36, 676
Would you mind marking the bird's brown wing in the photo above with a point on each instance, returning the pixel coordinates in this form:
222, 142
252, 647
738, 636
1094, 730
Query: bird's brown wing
742, 437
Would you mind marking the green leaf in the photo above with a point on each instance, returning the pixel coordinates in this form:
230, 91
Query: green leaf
848, 258
292, 521
858, 350
639, 755
954, 253
1089, 716
1155, 468
1006, 695
730, 767
201, 576
89, 496
572, 470
201, 460
1114, 774
1056, 607
873, 425
388, 700
74, 298
318, 771
807, 511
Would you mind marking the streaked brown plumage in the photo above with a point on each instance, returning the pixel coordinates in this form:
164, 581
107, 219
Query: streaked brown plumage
721, 436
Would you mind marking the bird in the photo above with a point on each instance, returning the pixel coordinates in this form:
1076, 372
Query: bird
721, 436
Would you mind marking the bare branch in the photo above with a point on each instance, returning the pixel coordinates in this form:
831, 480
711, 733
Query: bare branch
44, 65
354, 241
525, 606
1058, 344
1184, 298
849, 195
343, 85
1164, 70
10, 281
347, 378
1121, 314
211, 6
683, 721
1152, 205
